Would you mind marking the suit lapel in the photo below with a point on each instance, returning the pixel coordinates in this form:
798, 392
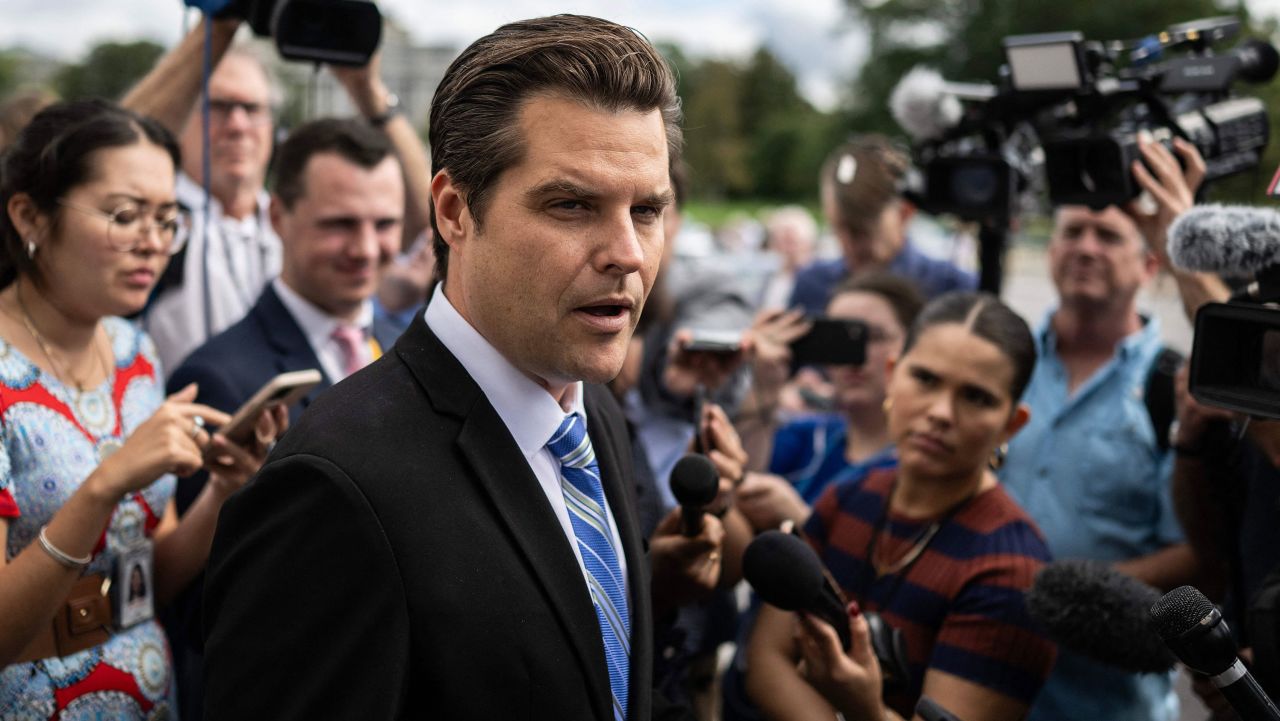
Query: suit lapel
292, 349
521, 506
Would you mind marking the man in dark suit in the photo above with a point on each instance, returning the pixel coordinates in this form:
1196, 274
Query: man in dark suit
436, 537
337, 207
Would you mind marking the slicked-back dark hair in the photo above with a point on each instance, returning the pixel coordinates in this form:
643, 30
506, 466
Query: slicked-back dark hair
475, 133
53, 154
351, 139
985, 316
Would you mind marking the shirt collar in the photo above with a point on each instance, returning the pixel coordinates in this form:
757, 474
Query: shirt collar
316, 324
529, 412
192, 196
1128, 346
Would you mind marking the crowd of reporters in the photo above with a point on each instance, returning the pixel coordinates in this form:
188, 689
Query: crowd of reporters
934, 478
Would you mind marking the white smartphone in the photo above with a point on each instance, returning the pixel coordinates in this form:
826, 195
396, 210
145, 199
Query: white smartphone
285, 389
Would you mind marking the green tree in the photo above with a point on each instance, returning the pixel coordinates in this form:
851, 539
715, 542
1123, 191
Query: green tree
108, 70
10, 70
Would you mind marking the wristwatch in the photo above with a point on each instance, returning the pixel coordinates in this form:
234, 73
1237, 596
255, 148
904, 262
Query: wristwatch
393, 109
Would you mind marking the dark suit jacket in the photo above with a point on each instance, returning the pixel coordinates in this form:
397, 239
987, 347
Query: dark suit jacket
397, 559
230, 368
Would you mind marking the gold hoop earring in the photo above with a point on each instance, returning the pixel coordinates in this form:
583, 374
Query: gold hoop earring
996, 462
887, 405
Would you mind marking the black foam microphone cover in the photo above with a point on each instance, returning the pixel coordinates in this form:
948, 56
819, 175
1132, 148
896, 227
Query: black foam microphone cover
1091, 609
787, 573
694, 483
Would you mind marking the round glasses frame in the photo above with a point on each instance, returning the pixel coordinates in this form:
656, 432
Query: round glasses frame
128, 226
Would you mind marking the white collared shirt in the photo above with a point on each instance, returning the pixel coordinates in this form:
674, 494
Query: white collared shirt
529, 412
318, 327
241, 256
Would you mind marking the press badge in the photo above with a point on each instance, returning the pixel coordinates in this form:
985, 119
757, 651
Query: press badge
133, 587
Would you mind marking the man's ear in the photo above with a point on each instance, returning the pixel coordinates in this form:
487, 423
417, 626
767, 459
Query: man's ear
453, 217
276, 211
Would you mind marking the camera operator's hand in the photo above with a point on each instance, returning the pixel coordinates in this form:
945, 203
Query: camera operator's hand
364, 86
851, 681
1194, 418
686, 369
1172, 188
768, 500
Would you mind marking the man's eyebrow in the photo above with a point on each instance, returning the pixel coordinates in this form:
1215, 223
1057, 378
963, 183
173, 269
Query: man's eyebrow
662, 200
563, 187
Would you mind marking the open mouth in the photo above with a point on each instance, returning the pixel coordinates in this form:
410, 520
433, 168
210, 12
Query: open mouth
604, 311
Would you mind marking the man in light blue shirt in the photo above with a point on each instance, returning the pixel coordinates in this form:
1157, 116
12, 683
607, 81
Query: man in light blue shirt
1088, 467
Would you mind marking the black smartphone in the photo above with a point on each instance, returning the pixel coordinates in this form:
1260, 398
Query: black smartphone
831, 341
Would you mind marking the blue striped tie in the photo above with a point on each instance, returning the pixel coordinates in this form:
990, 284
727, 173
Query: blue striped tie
580, 482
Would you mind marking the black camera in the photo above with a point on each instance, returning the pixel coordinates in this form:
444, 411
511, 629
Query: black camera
337, 32
1077, 107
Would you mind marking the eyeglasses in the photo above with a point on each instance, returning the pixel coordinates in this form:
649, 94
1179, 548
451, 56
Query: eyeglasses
129, 225
256, 113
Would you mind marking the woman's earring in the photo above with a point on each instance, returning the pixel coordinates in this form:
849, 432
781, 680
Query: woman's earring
31, 250
887, 405
997, 457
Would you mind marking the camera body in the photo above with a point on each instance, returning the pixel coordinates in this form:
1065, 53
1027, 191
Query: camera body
1077, 107
337, 32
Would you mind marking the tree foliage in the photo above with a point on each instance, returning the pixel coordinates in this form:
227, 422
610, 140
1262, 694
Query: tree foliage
108, 70
749, 133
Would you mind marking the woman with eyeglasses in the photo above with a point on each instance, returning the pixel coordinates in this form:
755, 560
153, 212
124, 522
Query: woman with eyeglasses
89, 445
935, 547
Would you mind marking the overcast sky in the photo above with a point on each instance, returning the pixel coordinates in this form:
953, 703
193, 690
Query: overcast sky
812, 37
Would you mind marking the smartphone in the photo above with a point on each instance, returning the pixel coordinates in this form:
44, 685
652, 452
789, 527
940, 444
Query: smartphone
285, 389
831, 341
714, 341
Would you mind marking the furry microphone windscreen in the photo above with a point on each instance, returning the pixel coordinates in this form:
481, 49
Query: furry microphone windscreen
1093, 610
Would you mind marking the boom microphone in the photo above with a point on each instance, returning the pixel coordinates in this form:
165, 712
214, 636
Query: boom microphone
1233, 240
1194, 630
1091, 609
786, 573
922, 106
694, 483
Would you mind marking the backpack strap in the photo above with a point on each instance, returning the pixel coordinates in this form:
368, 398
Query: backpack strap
1159, 396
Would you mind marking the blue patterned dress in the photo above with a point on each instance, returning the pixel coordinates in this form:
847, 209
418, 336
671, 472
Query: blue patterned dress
50, 440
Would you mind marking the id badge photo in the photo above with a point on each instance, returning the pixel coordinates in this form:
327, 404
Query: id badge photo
133, 588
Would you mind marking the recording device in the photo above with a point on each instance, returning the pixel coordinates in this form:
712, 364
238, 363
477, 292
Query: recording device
694, 483
1091, 609
831, 341
713, 341
786, 573
285, 389
337, 32
1076, 107
1235, 357
1194, 630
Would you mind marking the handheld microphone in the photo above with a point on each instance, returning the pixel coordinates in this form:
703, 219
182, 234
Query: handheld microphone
786, 573
1194, 630
1229, 239
694, 483
1091, 609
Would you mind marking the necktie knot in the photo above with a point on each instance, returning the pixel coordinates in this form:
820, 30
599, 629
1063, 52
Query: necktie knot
570, 443
349, 339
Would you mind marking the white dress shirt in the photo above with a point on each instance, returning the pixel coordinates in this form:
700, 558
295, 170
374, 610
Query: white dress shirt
529, 412
318, 327
241, 256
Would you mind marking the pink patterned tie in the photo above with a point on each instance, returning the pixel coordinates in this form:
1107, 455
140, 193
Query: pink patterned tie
349, 338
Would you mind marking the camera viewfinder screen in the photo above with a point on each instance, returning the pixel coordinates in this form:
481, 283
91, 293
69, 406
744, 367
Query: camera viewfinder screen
1044, 67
